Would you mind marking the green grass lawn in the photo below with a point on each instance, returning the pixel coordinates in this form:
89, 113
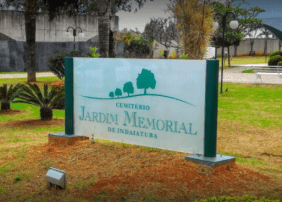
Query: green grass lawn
23, 72
248, 71
251, 105
244, 60
40, 80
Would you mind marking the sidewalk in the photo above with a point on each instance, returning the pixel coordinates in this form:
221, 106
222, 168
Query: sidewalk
233, 75
12, 76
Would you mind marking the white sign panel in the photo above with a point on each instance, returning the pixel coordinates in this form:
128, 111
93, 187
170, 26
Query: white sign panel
148, 102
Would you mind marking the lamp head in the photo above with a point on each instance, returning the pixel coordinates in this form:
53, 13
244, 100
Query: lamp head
234, 24
215, 25
81, 34
67, 34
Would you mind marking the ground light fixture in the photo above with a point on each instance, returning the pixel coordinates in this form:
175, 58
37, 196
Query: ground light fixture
233, 25
56, 177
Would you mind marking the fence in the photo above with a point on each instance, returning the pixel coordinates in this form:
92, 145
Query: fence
258, 47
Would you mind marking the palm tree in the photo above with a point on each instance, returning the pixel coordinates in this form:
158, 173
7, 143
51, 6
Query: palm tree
8, 94
45, 99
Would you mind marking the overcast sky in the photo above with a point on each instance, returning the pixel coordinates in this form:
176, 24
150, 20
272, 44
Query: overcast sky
131, 20
151, 9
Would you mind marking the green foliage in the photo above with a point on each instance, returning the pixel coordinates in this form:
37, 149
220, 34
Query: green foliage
46, 99
134, 42
276, 53
184, 56
248, 71
173, 55
146, 80
141, 45
246, 18
8, 94
57, 61
161, 52
93, 54
17, 178
273, 60
279, 63
245, 198
128, 88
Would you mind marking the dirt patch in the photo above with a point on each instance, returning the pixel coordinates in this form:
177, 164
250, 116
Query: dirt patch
10, 111
33, 123
133, 173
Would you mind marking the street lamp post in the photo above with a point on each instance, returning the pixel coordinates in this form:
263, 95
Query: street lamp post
233, 25
81, 34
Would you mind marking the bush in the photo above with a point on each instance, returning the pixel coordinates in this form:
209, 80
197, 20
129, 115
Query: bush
93, 54
60, 85
56, 62
279, 63
276, 53
273, 60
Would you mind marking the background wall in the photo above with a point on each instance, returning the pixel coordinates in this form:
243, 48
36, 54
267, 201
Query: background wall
12, 24
242, 50
245, 47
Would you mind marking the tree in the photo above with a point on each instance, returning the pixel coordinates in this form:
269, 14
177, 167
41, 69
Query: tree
187, 32
31, 9
111, 94
196, 33
128, 88
71, 8
105, 9
164, 32
146, 80
118, 92
247, 23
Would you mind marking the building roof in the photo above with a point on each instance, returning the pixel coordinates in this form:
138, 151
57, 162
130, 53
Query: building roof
274, 31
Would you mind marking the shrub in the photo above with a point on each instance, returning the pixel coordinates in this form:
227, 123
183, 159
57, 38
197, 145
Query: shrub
279, 63
184, 56
60, 84
276, 53
173, 55
45, 99
93, 54
8, 94
273, 60
56, 62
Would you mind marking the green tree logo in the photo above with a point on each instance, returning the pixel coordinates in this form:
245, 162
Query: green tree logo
146, 80
112, 94
128, 88
118, 92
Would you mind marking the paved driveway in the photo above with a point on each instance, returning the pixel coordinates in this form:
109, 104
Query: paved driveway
233, 75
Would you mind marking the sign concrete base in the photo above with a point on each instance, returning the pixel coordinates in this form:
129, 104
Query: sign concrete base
215, 163
61, 139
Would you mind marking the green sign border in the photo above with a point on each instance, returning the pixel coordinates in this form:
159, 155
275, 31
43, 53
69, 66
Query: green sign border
69, 111
211, 104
